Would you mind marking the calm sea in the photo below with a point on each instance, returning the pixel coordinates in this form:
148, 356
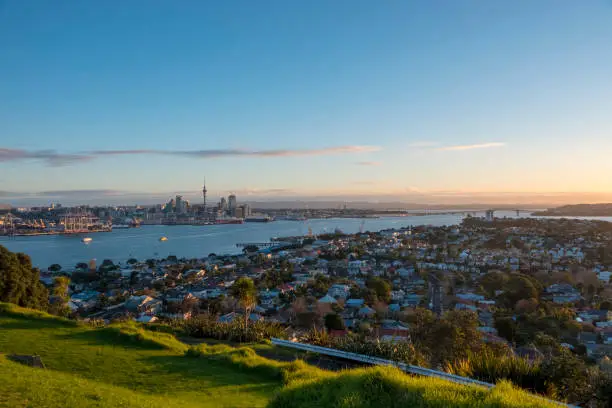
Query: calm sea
197, 241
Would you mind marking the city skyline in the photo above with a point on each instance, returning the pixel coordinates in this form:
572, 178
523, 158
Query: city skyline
428, 102
287, 198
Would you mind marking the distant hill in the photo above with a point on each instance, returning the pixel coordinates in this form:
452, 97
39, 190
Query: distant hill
387, 205
125, 365
579, 210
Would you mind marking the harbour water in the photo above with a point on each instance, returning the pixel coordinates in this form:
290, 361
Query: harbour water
199, 241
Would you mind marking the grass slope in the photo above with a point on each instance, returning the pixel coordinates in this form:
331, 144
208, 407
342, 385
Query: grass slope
127, 366
142, 363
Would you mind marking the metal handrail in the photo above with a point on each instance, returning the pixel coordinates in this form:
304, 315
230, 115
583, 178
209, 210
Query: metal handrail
412, 369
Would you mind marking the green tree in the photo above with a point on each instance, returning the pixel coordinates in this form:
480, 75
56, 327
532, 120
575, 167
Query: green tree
381, 287
454, 337
494, 280
55, 268
107, 266
245, 292
133, 278
333, 321
506, 328
519, 287
19, 282
103, 301
59, 297
568, 375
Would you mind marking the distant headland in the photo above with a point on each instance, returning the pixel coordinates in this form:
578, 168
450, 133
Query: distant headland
579, 210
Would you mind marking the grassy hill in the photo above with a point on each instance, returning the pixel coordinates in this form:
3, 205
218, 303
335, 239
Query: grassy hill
127, 366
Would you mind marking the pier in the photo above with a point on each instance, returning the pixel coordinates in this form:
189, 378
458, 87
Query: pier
258, 244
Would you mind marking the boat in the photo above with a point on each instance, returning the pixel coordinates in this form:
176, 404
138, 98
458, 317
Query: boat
120, 226
259, 218
162, 239
86, 240
229, 220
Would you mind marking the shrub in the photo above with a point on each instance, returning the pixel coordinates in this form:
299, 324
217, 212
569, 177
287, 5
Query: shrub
333, 321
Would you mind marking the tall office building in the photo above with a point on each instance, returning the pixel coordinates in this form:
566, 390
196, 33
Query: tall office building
247, 210
179, 205
232, 203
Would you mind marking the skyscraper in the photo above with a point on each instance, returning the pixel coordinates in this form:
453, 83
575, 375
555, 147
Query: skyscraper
179, 205
232, 203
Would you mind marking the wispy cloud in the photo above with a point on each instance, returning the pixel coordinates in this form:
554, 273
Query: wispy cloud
53, 158
368, 163
472, 146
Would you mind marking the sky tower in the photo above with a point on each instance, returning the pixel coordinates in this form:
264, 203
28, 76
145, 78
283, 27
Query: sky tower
204, 193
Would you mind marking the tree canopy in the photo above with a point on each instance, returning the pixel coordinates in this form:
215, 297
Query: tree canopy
245, 292
20, 282
381, 287
333, 321
59, 297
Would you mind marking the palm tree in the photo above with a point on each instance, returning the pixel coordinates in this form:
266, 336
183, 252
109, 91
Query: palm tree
245, 292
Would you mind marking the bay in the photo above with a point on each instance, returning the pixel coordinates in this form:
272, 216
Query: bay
199, 241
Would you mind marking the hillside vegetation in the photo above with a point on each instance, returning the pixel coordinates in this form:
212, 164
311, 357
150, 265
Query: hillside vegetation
125, 365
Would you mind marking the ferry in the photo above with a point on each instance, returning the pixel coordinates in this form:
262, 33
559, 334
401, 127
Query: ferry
229, 220
86, 240
259, 218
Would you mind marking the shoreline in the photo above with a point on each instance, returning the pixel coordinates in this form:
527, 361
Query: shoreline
43, 233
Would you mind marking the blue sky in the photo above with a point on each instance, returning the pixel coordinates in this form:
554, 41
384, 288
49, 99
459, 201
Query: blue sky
310, 98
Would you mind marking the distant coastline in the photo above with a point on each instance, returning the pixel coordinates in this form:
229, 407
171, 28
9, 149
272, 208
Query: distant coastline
578, 210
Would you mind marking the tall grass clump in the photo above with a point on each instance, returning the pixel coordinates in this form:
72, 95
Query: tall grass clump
237, 331
491, 367
403, 352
